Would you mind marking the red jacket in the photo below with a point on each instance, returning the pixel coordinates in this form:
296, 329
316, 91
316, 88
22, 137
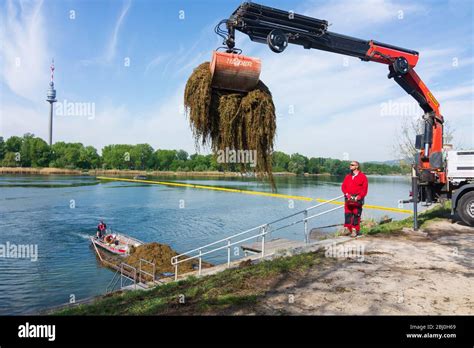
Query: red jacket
355, 185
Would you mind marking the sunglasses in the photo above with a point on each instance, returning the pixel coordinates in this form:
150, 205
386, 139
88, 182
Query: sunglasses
353, 165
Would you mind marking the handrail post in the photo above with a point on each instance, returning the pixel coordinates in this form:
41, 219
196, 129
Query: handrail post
140, 271
200, 261
228, 252
121, 276
176, 269
306, 237
263, 240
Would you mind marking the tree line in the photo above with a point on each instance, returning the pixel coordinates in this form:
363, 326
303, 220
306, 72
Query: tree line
32, 151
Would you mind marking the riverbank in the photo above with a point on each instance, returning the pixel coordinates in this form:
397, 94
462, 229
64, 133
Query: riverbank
398, 272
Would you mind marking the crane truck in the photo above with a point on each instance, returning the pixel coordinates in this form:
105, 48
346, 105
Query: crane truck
437, 174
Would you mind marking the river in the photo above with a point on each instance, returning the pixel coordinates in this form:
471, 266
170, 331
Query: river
59, 213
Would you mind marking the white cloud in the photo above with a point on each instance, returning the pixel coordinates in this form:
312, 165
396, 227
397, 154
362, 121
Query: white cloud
24, 50
435, 62
452, 93
156, 62
111, 48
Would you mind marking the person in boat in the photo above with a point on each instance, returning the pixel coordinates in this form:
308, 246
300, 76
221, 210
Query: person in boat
101, 228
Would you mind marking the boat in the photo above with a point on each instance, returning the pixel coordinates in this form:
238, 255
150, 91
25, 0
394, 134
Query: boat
116, 243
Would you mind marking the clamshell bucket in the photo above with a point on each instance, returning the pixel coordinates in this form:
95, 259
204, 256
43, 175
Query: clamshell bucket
234, 72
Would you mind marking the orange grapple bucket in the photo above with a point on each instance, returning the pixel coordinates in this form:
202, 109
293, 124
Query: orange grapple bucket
234, 71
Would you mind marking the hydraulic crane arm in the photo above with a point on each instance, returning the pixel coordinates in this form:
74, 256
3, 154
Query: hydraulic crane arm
278, 28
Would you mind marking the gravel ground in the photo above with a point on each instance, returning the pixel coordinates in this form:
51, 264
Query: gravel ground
427, 272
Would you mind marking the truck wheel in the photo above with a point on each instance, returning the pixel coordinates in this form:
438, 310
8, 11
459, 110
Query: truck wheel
465, 208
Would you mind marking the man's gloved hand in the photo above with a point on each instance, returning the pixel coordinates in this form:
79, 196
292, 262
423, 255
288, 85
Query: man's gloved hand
348, 196
358, 198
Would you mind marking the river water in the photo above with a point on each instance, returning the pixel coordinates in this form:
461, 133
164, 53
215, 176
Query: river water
59, 213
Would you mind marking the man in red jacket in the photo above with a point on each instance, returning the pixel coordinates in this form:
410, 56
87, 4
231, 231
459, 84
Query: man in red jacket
354, 187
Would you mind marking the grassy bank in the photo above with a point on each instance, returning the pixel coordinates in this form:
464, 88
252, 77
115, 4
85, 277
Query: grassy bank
437, 212
232, 289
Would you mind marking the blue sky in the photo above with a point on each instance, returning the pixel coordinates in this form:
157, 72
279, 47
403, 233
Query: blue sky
327, 105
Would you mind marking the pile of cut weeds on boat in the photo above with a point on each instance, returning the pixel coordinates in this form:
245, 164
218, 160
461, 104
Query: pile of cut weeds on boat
158, 254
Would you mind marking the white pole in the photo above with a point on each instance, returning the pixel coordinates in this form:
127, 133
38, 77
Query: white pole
200, 261
306, 237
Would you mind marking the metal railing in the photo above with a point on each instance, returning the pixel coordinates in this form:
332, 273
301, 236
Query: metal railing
262, 232
141, 271
124, 266
129, 273
113, 283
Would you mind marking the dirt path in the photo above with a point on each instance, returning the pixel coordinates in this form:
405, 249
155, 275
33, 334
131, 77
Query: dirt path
429, 272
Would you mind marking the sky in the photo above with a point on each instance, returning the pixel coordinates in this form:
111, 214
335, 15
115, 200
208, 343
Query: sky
128, 61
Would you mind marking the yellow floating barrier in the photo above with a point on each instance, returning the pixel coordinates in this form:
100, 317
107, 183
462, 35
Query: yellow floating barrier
369, 206
249, 192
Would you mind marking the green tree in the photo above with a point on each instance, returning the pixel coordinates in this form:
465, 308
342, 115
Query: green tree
213, 164
182, 155
314, 165
164, 159
13, 144
337, 167
3, 149
66, 155
88, 158
280, 161
297, 163
11, 159
201, 163
179, 165
35, 152
117, 156
142, 156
